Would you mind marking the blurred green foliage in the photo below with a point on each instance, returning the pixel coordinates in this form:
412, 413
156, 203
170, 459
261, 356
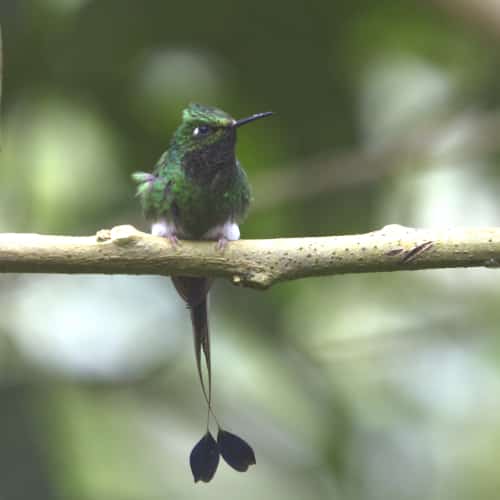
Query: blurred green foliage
355, 387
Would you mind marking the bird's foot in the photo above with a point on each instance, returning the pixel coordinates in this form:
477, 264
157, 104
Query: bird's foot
166, 230
174, 241
221, 244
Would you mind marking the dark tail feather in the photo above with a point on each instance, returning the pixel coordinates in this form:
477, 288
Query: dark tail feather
199, 319
194, 291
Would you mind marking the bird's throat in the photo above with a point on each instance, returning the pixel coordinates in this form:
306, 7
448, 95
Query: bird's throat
212, 163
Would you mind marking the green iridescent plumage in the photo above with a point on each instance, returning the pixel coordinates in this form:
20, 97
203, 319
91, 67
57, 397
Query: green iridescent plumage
198, 190
197, 183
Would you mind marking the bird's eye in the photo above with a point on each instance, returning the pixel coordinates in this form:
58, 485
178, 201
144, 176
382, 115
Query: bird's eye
201, 130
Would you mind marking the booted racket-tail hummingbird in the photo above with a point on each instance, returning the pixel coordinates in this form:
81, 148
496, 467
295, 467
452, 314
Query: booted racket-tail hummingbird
199, 191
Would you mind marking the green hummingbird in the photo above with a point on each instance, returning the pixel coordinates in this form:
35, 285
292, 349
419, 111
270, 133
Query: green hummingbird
199, 191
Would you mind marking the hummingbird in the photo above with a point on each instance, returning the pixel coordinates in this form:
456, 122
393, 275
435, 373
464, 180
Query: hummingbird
199, 191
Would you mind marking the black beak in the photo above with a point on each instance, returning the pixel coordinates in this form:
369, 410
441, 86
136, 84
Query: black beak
243, 121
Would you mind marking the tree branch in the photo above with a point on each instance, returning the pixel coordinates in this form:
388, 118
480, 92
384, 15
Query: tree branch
253, 263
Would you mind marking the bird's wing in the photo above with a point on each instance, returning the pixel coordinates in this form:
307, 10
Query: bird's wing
155, 194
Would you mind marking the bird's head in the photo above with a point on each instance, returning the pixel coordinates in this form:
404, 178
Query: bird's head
207, 135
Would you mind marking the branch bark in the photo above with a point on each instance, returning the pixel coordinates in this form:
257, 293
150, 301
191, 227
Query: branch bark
253, 263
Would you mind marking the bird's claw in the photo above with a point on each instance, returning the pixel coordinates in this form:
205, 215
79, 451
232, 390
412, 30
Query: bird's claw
174, 241
221, 244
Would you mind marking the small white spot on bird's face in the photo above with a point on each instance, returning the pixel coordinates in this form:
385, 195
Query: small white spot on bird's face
201, 130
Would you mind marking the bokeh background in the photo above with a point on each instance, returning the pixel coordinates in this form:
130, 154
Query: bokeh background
376, 386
